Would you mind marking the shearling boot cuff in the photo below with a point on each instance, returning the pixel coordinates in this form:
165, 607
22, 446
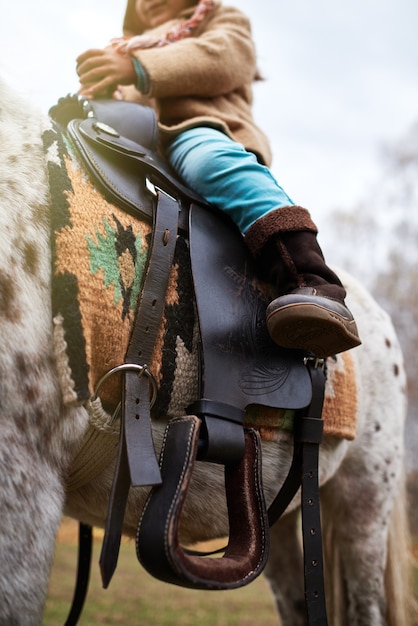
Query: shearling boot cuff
287, 219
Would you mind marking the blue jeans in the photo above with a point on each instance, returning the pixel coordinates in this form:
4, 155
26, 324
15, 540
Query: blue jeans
226, 175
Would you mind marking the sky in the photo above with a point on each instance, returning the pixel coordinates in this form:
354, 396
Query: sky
340, 80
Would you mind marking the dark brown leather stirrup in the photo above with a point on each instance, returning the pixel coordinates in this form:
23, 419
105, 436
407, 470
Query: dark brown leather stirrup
158, 546
187, 570
308, 433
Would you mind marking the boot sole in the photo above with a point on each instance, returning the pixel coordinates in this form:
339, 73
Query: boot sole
307, 326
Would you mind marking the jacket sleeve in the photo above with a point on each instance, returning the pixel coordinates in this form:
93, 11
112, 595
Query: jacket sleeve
217, 61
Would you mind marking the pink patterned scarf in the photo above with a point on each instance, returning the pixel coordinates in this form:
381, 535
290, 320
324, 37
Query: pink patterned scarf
176, 33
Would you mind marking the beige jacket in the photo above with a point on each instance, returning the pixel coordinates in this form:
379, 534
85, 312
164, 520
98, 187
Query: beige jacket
203, 80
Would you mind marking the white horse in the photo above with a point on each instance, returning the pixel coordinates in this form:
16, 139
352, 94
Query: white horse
42, 432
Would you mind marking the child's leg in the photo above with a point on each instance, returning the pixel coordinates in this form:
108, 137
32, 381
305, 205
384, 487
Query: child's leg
311, 313
226, 175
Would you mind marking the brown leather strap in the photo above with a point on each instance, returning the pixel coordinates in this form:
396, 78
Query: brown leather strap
143, 465
158, 545
115, 513
136, 463
309, 432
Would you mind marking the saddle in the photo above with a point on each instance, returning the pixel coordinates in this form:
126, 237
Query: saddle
240, 365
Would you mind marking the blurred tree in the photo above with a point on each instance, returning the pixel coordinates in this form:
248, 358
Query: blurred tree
378, 243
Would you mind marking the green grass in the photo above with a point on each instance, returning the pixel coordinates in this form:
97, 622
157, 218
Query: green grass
134, 597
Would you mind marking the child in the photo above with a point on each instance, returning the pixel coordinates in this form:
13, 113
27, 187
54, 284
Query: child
195, 63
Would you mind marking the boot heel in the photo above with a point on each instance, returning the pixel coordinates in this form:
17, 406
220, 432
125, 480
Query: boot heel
324, 327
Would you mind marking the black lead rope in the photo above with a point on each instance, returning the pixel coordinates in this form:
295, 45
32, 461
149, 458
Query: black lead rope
85, 535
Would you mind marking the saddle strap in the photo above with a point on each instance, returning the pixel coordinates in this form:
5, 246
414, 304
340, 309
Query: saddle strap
303, 472
310, 431
143, 464
136, 463
158, 547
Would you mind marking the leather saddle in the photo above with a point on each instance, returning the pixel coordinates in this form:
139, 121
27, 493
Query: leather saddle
118, 143
240, 365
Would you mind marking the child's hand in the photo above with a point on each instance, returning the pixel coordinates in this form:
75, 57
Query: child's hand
101, 71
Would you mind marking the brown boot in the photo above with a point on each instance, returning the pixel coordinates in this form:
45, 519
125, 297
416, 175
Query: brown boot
309, 312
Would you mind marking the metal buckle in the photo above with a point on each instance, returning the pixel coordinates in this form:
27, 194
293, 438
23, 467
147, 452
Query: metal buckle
318, 363
141, 369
